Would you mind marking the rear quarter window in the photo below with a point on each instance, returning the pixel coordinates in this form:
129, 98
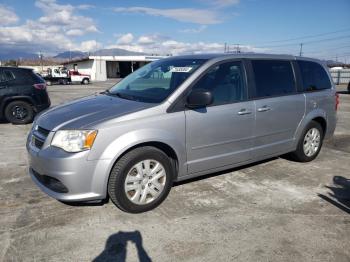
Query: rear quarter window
314, 77
273, 78
36, 77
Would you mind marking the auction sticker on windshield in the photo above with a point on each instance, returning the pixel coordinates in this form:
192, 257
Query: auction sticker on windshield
184, 69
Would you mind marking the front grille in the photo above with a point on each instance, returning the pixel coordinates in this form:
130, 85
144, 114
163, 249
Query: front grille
50, 182
43, 131
37, 143
39, 136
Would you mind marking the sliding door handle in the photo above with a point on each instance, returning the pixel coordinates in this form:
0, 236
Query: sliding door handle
264, 109
244, 112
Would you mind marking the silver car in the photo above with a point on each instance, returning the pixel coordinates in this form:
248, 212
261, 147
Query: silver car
180, 118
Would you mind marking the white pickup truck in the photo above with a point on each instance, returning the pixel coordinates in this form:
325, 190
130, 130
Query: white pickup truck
63, 76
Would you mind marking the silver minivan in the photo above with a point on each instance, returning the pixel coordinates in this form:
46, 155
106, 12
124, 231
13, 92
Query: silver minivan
178, 118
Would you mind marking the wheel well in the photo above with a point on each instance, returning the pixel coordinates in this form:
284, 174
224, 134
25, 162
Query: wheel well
15, 99
168, 150
322, 122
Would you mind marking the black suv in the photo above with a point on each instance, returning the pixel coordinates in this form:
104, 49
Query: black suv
22, 94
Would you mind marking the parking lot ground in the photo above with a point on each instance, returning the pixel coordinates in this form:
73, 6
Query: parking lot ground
276, 210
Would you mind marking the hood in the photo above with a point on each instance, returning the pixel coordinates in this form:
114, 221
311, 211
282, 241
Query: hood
87, 111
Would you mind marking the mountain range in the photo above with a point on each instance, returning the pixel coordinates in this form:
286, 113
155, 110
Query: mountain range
66, 55
69, 55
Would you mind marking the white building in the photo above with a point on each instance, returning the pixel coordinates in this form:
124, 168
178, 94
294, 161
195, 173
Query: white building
101, 68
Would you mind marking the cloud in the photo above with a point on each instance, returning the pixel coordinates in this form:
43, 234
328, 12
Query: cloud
90, 45
191, 15
194, 30
162, 45
151, 39
53, 31
75, 32
158, 44
8, 16
125, 39
64, 15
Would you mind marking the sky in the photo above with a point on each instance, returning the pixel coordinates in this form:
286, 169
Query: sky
178, 27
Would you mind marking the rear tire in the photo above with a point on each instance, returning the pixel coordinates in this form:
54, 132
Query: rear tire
131, 179
349, 88
19, 113
310, 143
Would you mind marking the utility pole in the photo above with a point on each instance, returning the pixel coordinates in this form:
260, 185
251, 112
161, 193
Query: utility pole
225, 47
41, 60
301, 49
238, 49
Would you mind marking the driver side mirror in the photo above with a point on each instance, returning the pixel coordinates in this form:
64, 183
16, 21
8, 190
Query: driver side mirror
199, 98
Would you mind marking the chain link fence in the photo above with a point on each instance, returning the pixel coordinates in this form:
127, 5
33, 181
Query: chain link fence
340, 76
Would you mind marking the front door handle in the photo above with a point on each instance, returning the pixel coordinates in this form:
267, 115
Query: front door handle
244, 112
264, 109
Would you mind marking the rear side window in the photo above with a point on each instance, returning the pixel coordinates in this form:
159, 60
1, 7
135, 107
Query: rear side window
7, 76
314, 76
273, 78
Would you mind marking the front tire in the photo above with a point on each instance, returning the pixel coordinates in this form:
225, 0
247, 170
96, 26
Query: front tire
85, 81
141, 180
19, 113
310, 143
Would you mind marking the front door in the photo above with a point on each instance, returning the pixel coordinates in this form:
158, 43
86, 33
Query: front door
220, 134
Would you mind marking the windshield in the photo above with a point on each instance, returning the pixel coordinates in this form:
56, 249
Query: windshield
154, 82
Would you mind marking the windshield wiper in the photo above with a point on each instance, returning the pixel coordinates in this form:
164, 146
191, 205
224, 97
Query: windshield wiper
121, 95
106, 92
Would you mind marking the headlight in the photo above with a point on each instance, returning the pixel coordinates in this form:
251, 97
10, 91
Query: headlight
74, 140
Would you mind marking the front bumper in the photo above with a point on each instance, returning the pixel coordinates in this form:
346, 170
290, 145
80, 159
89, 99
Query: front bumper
84, 180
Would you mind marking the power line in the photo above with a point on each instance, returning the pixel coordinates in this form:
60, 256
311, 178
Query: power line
307, 42
327, 49
335, 56
308, 36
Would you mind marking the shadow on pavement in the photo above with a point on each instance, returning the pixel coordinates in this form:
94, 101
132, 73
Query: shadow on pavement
339, 194
343, 92
116, 247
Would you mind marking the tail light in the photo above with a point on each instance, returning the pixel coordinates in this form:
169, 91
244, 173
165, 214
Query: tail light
40, 86
336, 101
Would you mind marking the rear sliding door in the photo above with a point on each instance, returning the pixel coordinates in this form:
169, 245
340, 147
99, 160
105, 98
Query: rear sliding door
279, 108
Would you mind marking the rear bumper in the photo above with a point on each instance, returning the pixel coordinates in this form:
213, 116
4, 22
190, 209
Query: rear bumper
39, 108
